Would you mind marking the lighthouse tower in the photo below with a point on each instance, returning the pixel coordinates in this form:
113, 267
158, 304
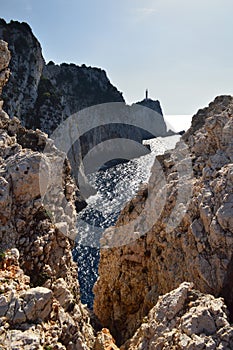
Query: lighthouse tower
146, 94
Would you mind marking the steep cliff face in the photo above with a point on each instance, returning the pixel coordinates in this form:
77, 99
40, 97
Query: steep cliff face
39, 302
154, 105
196, 248
26, 67
42, 95
39, 293
67, 89
184, 319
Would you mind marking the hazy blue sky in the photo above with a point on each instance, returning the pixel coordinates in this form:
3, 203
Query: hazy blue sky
181, 50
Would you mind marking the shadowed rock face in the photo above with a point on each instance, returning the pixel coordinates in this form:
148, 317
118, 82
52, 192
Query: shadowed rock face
198, 248
39, 293
227, 288
26, 67
42, 95
154, 105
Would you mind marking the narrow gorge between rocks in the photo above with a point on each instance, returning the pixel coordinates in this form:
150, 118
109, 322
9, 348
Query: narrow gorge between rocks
115, 275
115, 187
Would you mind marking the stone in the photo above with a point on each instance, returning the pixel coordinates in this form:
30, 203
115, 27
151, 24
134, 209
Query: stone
193, 325
190, 241
62, 293
4, 62
39, 290
224, 213
5, 200
104, 341
24, 169
28, 340
37, 303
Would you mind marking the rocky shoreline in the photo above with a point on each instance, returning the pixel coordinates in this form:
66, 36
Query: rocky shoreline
164, 290
39, 301
197, 247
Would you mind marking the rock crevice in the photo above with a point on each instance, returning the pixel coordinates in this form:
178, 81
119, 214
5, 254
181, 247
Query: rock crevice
197, 247
142, 294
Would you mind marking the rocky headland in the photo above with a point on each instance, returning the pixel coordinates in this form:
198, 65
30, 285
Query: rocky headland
195, 248
169, 287
43, 95
39, 301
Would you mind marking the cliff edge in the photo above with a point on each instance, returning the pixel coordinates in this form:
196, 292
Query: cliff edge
191, 237
42, 95
39, 302
141, 294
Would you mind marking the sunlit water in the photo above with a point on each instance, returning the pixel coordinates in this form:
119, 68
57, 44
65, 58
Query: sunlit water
115, 187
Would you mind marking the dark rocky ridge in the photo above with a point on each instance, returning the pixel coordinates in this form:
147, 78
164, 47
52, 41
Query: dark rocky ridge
44, 95
154, 105
40, 94
50, 315
26, 67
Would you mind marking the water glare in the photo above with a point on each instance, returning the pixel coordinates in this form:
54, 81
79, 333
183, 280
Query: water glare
115, 187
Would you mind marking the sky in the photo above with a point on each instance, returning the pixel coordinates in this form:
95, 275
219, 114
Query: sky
182, 51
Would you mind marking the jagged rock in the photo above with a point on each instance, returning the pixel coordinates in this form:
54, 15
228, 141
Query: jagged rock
24, 170
37, 303
5, 57
4, 62
39, 292
26, 68
5, 200
40, 315
28, 340
104, 341
184, 319
31, 305
42, 95
190, 240
154, 105
63, 294
45, 95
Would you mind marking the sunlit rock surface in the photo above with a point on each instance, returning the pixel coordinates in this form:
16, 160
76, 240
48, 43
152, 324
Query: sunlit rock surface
184, 319
35, 254
39, 294
190, 240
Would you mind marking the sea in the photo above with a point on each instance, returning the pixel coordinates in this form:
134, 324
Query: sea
114, 187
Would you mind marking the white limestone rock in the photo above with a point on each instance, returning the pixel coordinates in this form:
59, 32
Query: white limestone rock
184, 319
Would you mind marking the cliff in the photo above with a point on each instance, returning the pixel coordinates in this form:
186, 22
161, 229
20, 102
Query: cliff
190, 239
149, 103
184, 319
39, 302
42, 95
26, 67
139, 295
